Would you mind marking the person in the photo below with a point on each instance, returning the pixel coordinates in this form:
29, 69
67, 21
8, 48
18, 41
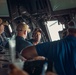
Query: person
36, 36
36, 39
3, 40
62, 53
22, 30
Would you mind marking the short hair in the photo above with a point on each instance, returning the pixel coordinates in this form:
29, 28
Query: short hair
36, 30
22, 26
3, 22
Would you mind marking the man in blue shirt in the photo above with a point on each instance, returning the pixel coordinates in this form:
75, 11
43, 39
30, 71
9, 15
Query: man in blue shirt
22, 30
61, 53
3, 40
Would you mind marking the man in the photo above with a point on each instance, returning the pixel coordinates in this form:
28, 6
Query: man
36, 39
3, 40
22, 30
36, 36
61, 53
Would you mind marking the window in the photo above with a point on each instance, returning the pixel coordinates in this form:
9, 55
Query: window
4, 12
54, 29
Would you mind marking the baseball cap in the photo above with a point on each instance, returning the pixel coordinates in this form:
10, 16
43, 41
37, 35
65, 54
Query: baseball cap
22, 27
3, 22
72, 24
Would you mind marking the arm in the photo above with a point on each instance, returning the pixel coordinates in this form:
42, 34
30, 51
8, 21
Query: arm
50, 73
29, 52
37, 50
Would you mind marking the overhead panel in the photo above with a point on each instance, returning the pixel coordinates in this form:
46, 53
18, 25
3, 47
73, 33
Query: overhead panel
62, 4
4, 12
35, 6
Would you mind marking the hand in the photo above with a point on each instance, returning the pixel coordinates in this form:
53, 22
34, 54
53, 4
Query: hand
16, 71
39, 58
50, 73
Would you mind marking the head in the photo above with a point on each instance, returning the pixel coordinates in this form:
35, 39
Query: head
2, 25
72, 28
22, 30
37, 35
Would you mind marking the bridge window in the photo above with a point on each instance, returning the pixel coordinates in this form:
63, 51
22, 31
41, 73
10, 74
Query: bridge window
54, 29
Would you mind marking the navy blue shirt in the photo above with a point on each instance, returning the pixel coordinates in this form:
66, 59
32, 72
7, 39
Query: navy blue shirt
62, 53
21, 43
31, 40
4, 41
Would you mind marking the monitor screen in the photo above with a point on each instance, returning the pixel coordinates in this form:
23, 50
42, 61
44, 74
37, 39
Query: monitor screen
4, 12
62, 4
